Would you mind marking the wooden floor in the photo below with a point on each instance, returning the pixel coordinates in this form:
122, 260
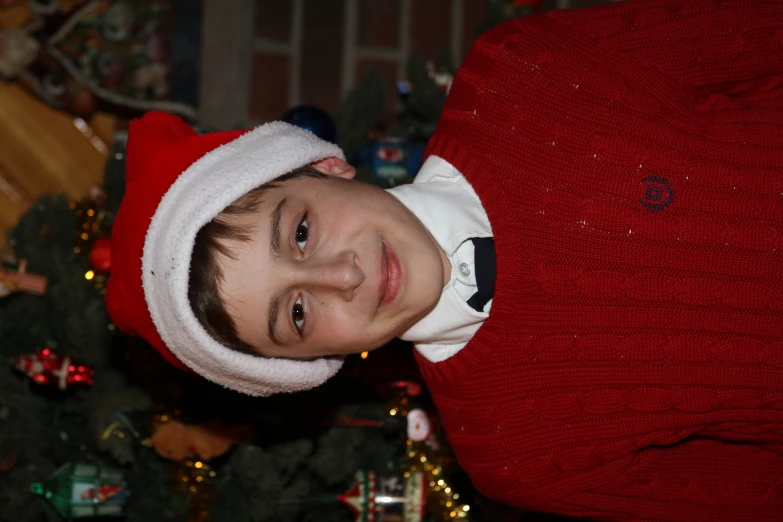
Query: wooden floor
42, 150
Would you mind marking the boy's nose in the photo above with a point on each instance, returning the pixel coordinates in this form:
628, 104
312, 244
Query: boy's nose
341, 274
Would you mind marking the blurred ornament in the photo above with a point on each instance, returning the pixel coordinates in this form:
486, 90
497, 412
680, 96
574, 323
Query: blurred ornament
440, 76
100, 255
409, 388
419, 426
21, 281
18, 49
82, 103
312, 119
48, 368
394, 161
386, 499
404, 88
84, 490
177, 441
118, 21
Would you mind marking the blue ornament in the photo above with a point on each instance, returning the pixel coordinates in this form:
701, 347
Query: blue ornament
313, 119
393, 161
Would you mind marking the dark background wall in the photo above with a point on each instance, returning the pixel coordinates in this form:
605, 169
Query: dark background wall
278, 53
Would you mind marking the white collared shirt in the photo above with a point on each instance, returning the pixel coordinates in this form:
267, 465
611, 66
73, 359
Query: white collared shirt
452, 212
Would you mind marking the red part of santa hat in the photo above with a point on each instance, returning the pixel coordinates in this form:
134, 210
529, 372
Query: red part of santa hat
176, 182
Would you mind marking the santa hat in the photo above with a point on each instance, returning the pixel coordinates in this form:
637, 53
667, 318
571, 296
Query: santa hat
176, 182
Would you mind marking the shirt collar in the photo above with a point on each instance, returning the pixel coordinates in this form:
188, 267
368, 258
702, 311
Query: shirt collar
445, 203
451, 211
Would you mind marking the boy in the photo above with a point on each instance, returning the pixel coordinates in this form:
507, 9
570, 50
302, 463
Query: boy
620, 167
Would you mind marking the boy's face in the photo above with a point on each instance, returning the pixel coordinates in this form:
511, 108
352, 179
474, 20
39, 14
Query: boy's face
333, 266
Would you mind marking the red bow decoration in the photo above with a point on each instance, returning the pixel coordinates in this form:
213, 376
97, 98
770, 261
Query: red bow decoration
48, 368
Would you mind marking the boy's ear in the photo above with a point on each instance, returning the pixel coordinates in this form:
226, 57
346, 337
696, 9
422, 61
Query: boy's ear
335, 167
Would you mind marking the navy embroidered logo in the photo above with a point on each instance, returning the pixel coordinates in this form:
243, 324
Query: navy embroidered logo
658, 194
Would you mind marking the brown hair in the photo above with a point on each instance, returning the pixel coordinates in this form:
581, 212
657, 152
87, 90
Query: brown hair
205, 272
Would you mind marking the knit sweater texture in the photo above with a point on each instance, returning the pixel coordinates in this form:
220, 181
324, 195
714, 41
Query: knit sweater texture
630, 160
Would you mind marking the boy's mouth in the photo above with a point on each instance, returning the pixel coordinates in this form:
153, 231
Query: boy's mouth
390, 275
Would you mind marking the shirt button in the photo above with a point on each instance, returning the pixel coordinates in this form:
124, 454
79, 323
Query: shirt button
464, 269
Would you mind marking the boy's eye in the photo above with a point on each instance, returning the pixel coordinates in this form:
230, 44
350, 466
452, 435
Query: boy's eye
301, 233
298, 315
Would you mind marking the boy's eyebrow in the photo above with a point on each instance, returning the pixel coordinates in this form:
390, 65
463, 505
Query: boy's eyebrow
274, 228
274, 306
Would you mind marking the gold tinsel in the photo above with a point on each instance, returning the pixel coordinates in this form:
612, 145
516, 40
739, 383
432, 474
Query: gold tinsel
196, 479
442, 500
115, 429
192, 477
90, 225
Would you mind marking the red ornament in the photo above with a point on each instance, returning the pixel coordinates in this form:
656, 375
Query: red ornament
389, 154
100, 255
83, 104
48, 368
410, 388
104, 492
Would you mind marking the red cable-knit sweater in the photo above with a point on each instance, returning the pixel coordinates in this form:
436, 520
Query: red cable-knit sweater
630, 160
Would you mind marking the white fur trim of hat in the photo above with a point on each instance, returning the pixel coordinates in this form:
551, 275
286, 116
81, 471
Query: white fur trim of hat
199, 194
